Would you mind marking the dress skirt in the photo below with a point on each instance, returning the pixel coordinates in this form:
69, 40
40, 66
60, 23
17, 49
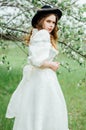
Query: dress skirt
38, 102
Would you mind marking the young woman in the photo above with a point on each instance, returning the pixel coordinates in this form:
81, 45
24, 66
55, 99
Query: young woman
38, 102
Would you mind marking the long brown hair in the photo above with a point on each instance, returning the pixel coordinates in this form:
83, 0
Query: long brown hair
53, 34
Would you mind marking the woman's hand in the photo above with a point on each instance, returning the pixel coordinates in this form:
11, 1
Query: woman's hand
54, 65
50, 64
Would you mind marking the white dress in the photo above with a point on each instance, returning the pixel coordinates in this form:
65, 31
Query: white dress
38, 102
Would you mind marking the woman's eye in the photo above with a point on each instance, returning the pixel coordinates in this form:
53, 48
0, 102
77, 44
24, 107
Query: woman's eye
48, 21
54, 23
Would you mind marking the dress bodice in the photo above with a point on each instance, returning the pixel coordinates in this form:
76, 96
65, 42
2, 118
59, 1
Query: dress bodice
40, 48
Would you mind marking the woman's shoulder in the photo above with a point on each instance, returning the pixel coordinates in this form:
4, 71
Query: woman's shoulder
44, 34
41, 35
43, 31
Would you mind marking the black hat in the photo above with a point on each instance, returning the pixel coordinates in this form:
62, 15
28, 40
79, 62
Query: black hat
46, 9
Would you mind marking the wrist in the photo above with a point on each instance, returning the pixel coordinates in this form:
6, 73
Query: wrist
46, 64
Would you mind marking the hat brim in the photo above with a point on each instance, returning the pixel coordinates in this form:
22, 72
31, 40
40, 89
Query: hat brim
40, 12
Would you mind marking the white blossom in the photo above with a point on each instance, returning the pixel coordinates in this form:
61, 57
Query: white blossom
1, 63
81, 60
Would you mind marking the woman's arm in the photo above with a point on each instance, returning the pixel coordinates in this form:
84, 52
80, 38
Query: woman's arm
50, 64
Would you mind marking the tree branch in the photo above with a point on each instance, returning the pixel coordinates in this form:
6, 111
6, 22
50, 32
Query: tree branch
73, 49
14, 29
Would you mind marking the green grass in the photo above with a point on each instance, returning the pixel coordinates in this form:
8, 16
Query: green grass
75, 95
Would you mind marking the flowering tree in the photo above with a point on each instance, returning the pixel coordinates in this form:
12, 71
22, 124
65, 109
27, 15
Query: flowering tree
15, 21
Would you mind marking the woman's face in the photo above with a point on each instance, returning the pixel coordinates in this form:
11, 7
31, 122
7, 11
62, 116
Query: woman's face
49, 23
